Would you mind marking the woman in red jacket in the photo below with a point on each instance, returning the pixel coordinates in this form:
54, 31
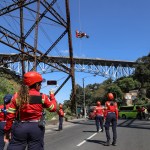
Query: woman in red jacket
27, 105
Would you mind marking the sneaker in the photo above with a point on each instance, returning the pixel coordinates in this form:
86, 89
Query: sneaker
107, 143
102, 130
114, 143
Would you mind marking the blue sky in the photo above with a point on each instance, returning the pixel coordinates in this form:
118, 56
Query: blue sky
118, 30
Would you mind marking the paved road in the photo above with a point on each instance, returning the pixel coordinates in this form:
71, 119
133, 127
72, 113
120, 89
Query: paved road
81, 135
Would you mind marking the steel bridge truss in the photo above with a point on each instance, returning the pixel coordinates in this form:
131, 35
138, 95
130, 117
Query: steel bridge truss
107, 68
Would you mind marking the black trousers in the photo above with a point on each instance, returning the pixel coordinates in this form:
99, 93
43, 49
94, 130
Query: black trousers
2, 143
27, 134
99, 122
60, 127
111, 119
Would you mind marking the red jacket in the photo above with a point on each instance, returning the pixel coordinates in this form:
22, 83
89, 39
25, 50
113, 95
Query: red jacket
111, 108
29, 111
99, 111
61, 113
2, 117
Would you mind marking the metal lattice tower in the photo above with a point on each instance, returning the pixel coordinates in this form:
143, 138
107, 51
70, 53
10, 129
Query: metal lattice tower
24, 23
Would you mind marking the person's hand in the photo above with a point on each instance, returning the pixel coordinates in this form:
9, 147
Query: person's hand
51, 92
7, 137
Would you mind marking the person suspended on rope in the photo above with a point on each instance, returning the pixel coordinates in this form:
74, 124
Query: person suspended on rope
80, 34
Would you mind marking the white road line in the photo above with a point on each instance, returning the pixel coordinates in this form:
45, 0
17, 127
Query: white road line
81, 143
86, 139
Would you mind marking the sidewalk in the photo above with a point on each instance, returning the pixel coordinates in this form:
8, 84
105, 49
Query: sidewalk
53, 125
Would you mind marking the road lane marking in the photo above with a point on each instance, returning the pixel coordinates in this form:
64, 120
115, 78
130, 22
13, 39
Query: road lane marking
81, 143
86, 139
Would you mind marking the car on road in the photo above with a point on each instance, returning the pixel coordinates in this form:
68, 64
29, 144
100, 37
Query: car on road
128, 111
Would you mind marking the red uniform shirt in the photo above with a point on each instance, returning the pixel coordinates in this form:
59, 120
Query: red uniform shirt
99, 111
111, 108
29, 111
2, 116
61, 113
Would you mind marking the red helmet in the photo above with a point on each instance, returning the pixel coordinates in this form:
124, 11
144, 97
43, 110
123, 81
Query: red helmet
31, 78
110, 96
98, 103
60, 106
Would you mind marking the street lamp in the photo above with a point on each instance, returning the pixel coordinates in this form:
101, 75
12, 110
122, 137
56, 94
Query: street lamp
84, 99
84, 106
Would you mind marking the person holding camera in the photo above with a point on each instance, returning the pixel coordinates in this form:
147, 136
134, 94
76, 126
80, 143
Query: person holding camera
27, 107
3, 112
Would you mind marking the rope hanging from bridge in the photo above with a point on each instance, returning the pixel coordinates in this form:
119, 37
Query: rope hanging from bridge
79, 33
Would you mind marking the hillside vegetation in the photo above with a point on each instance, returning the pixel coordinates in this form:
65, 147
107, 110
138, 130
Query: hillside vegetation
9, 83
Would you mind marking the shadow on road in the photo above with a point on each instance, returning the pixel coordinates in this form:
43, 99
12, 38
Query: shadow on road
97, 141
89, 131
134, 123
81, 122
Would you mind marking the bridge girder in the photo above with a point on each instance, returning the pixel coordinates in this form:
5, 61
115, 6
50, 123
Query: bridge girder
107, 68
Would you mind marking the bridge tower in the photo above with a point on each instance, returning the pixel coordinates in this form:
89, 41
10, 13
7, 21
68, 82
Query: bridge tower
25, 24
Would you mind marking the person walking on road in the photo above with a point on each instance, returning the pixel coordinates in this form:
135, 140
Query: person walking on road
99, 116
28, 105
61, 116
3, 112
111, 116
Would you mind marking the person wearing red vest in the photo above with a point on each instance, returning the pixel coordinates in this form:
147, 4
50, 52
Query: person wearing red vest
99, 114
111, 116
28, 105
143, 112
61, 115
3, 112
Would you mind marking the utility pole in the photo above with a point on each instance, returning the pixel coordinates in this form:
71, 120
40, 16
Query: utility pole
84, 99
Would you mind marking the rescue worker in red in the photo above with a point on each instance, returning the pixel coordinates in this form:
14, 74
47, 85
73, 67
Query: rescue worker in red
81, 34
28, 104
111, 116
99, 116
143, 112
3, 112
61, 115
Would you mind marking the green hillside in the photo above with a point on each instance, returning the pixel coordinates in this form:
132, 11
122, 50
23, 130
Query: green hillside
9, 83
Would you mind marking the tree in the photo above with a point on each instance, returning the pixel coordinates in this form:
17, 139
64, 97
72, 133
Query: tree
127, 84
142, 71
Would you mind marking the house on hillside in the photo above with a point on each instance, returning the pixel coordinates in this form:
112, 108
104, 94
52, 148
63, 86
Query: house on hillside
130, 97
